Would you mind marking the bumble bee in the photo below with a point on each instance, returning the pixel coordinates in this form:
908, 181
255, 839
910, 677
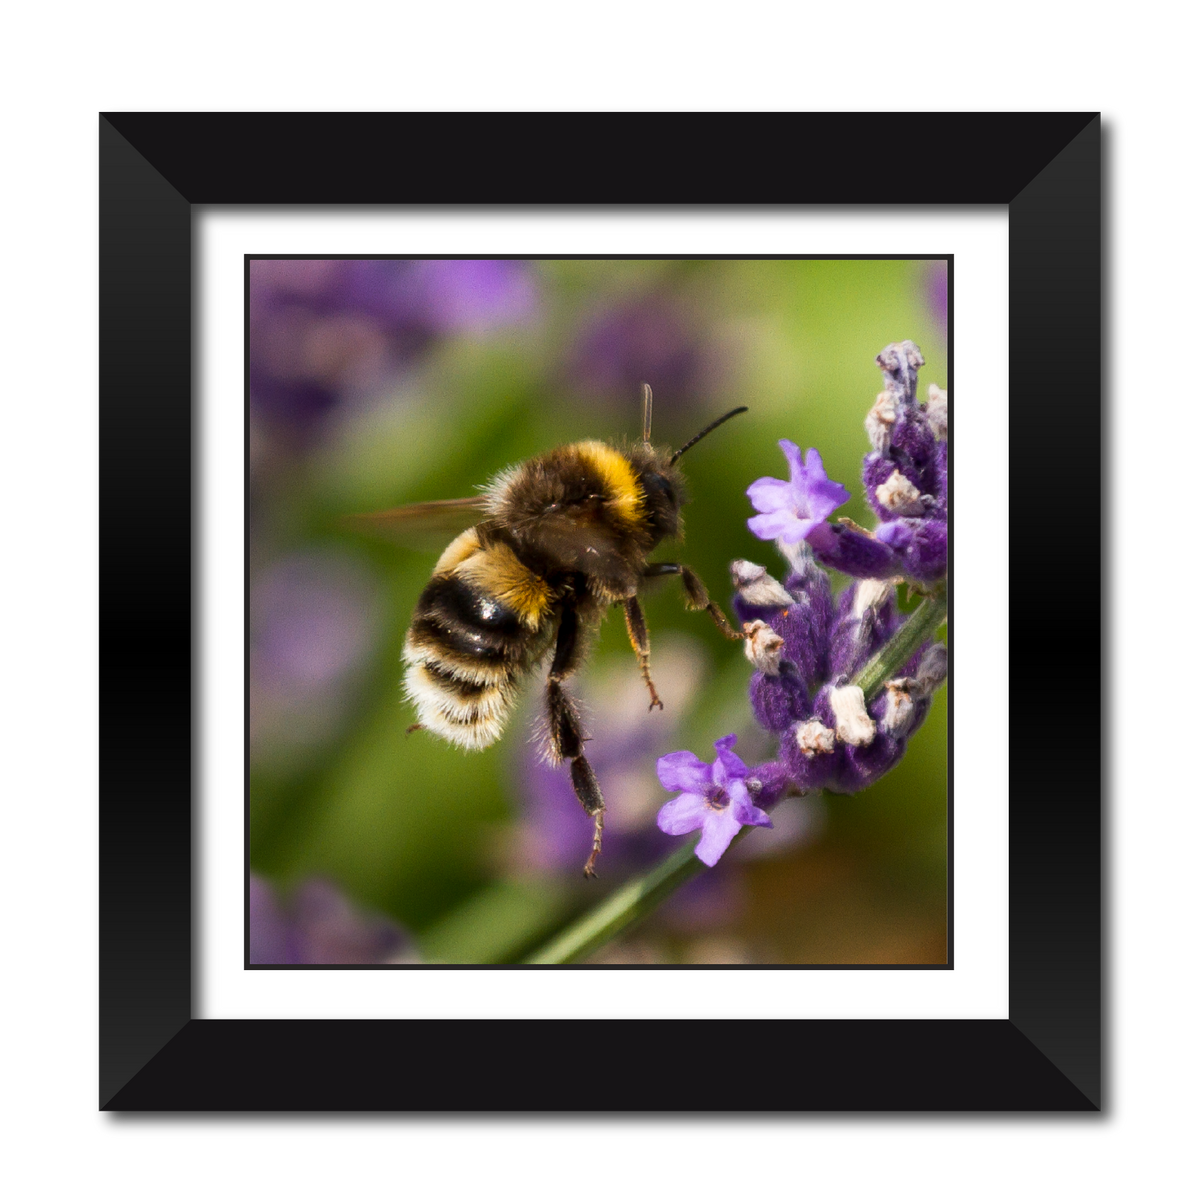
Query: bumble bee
558, 539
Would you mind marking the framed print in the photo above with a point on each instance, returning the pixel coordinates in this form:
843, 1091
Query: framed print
206, 221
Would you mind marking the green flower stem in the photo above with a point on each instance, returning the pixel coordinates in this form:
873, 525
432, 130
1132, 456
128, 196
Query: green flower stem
638, 898
921, 625
625, 906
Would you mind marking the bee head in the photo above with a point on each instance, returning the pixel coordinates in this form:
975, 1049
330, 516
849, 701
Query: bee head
662, 485
661, 480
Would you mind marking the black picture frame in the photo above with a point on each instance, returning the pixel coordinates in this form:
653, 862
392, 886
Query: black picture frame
154, 167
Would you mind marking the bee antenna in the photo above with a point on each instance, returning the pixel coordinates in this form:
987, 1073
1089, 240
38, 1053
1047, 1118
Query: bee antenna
733, 412
647, 405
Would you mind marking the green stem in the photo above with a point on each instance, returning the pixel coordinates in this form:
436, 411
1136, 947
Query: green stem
625, 906
638, 898
921, 625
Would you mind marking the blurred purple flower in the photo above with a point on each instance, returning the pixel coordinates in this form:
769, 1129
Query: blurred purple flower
624, 743
316, 924
795, 511
324, 329
713, 798
646, 340
314, 620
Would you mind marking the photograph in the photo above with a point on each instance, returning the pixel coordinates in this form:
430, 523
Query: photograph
597, 612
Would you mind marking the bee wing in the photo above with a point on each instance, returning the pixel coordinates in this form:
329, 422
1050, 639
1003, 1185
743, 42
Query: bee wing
424, 526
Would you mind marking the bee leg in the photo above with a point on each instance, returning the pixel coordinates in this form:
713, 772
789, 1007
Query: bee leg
635, 622
695, 594
566, 737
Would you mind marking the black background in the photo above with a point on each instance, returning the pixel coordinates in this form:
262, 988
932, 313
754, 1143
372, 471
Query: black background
153, 167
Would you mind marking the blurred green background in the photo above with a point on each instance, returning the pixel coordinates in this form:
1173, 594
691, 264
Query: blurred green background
383, 382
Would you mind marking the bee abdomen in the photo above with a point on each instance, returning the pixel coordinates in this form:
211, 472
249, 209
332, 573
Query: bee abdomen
463, 711
465, 625
467, 653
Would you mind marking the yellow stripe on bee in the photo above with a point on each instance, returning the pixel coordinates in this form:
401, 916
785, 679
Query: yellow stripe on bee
500, 574
461, 548
624, 498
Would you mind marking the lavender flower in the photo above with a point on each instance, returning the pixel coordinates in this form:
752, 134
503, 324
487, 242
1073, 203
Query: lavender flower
805, 654
905, 475
806, 651
316, 924
715, 799
795, 511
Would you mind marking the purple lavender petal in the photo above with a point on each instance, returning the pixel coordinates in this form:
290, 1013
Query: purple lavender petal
795, 511
926, 556
806, 626
719, 830
912, 437
728, 766
895, 533
877, 470
807, 772
783, 525
684, 814
767, 783
941, 470
744, 809
857, 554
824, 497
768, 494
682, 771
922, 544
861, 766
856, 638
779, 701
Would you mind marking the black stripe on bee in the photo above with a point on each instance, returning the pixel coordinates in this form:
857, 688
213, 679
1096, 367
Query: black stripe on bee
454, 616
451, 681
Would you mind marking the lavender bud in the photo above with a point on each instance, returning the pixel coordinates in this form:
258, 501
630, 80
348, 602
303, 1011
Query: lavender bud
856, 553
941, 470
879, 422
780, 700
937, 412
898, 710
860, 766
913, 438
811, 754
935, 665
814, 738
804, 624
926, 559
899, 362
853, 725
767, 783
867, 617
900, 496
763, 646
756, 591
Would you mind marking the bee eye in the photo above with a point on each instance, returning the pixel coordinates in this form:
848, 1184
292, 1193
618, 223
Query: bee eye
657, 485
